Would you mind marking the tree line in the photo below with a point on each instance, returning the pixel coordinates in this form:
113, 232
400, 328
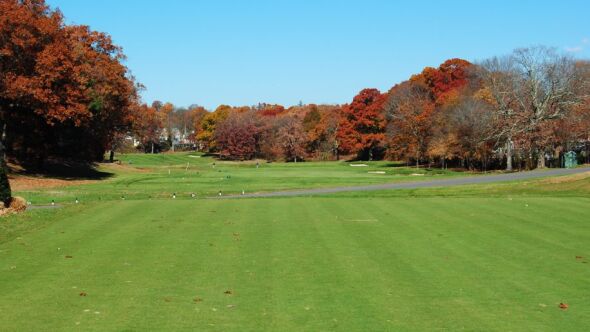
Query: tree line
522, 110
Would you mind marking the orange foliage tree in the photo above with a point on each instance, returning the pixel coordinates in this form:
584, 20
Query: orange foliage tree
58, 83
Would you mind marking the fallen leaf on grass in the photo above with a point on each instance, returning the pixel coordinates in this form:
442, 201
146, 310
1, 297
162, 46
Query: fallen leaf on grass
167, 299
68, 256
231, 305
228, 292
197, 300
579, 257
563, 306
83, 294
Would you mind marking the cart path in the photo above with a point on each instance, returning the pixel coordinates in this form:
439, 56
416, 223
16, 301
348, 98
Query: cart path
481, 179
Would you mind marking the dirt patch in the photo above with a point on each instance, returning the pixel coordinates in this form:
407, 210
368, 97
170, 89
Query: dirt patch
22, 182
567, 178
17, 205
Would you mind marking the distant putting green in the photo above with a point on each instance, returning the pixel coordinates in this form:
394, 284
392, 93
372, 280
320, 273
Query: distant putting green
432, 259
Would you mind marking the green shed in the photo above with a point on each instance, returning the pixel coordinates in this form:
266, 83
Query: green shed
570, 160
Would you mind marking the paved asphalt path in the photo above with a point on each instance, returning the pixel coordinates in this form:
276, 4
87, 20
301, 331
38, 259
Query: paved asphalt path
419, 184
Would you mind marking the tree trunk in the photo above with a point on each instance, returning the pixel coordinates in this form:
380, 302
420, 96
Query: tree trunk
541, 162
509, 155
112, 156
152, 147
530, 161
541, 159
5, 191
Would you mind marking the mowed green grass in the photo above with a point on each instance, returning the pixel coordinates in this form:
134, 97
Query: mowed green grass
300, 264
145, 176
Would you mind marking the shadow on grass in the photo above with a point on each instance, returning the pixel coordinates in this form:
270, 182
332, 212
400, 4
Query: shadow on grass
211, 154
64, 170
394, 165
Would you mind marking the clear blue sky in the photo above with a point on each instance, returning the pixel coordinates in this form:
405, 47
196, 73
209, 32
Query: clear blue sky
317, 51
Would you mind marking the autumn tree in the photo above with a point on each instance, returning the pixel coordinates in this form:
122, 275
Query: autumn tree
499, 91
33, 61
147, 126
464, 130
529, 88
414, 106
194, 119
269, 110
321, 126
546, 91
292, 138
110, 93
311, 118
362, 125
166, 111
410, 110
236, 136
63, 89
206, 128
446, 81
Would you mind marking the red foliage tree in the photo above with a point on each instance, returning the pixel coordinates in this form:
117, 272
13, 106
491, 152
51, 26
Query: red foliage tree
236, 137
445, 81
270, 110
362, 124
